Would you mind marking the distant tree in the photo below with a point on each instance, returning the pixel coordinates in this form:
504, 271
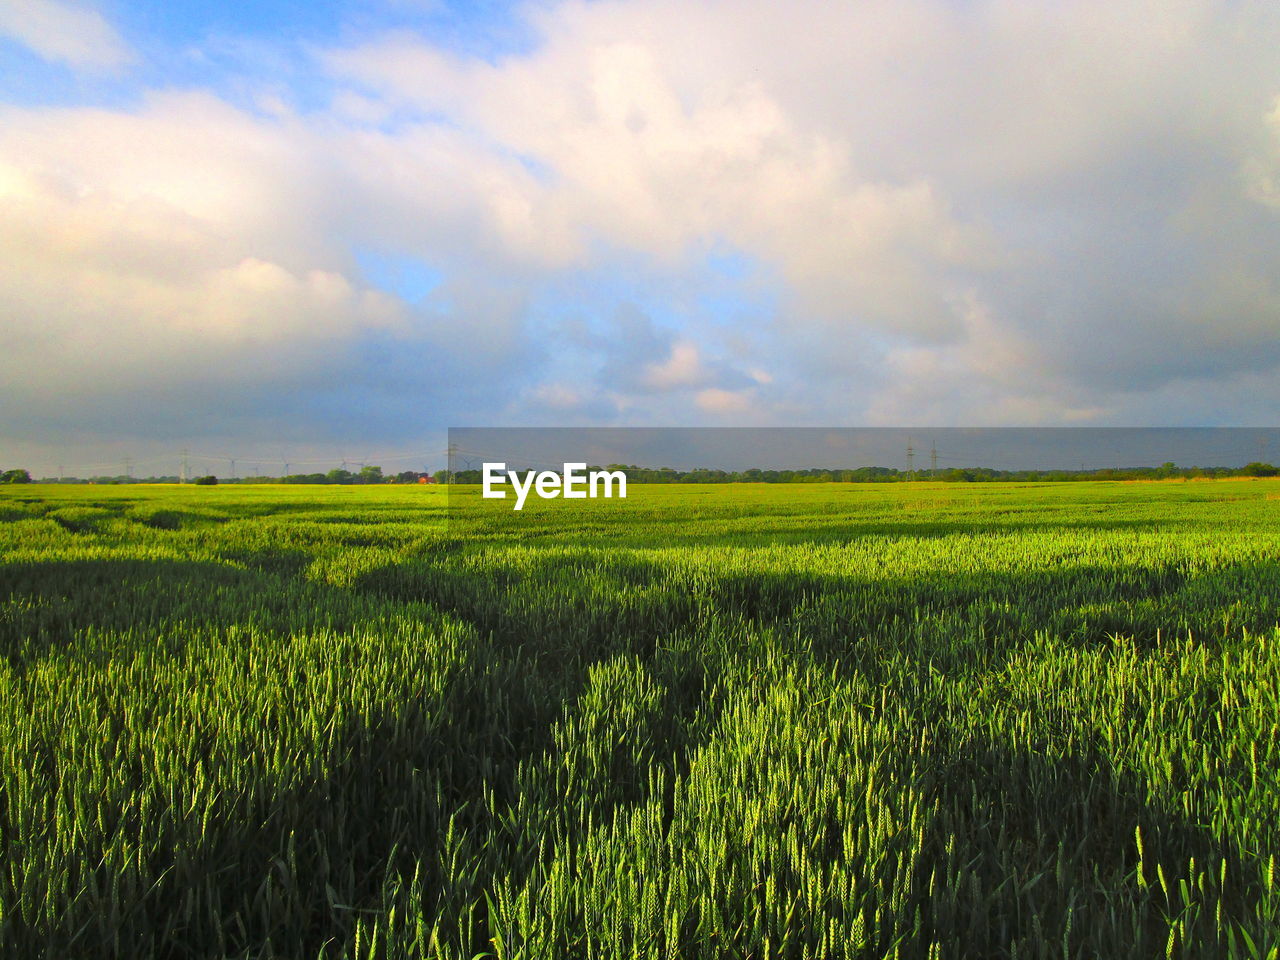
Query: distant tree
370, 474
208, 480
15, 476
1257, 469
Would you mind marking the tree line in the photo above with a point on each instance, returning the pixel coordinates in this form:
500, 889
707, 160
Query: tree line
365, 475
637, 474
1166, 471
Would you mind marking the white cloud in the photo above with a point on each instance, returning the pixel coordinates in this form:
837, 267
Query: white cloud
557, 396
683, 368
190, 249
648, 160
883, 158
992, 375
1262, 170
70, 33
716, 401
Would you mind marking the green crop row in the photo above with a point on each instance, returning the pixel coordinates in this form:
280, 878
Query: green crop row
738, 721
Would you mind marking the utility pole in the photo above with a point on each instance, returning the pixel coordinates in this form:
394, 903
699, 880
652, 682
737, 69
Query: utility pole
933, 460
911, 460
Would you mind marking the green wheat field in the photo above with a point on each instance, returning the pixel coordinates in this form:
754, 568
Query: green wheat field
790, 721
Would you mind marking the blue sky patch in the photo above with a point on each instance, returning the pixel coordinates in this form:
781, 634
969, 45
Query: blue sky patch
406, 277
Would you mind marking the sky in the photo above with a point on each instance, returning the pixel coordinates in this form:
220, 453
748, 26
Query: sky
323, 231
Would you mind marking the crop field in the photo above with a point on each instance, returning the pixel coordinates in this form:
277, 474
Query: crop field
911, 720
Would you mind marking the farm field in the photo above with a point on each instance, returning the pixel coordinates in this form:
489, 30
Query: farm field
744, 721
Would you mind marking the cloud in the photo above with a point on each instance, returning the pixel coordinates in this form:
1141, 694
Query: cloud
887, 159
952, 213
69, 33
1262, 170
716, 401
683, 368
642, 157
188, 261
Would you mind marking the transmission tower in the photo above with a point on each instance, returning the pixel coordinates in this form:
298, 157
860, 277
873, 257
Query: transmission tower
911, 460
184, 466
933, 460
